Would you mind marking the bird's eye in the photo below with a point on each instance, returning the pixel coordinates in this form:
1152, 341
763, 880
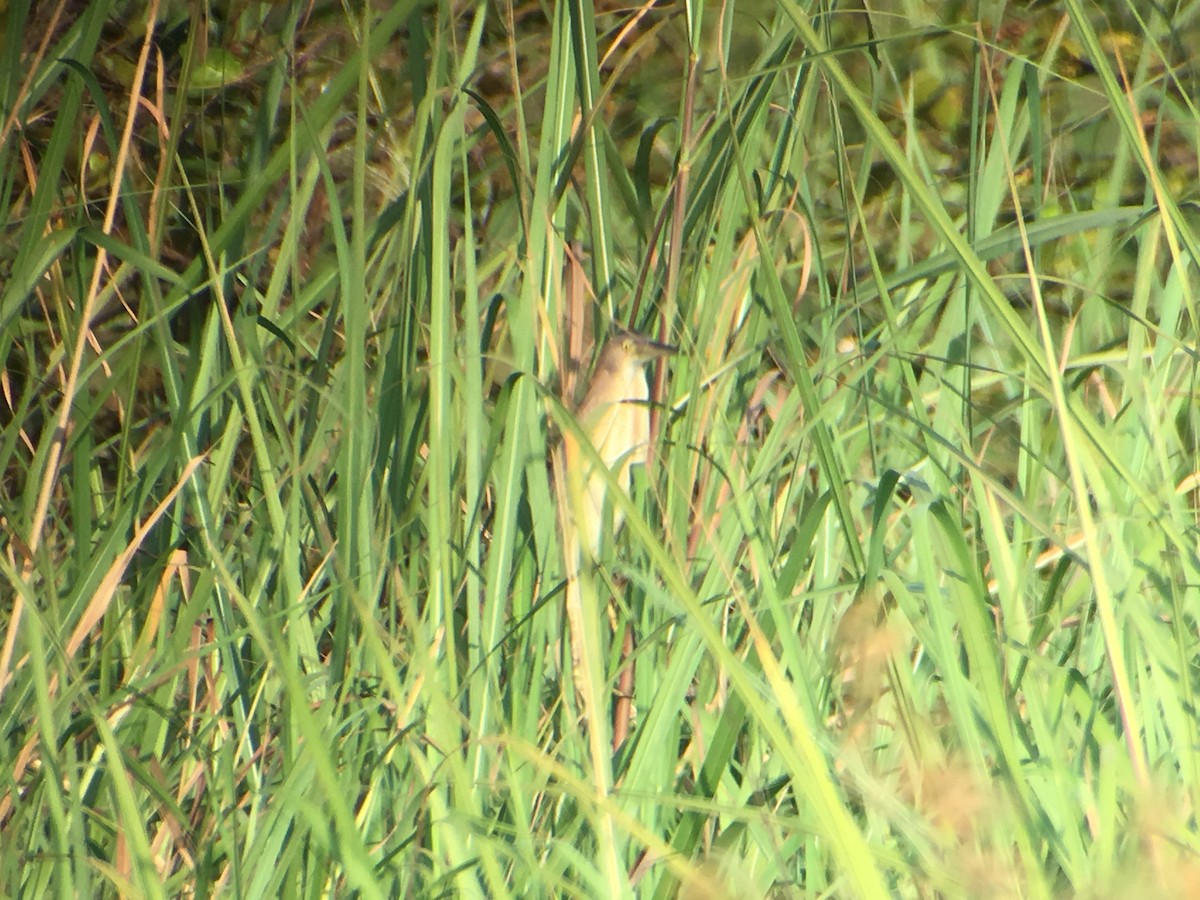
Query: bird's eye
627, 345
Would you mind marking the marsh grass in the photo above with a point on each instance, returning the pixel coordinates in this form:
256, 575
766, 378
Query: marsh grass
913, 577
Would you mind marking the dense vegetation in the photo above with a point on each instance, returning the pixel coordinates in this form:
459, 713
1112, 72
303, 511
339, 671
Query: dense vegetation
295, 298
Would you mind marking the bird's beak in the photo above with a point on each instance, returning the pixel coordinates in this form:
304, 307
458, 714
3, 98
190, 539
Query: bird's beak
655, 349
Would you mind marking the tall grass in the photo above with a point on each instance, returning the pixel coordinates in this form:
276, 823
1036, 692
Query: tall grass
293, 306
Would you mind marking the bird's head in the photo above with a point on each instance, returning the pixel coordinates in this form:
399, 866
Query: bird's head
625, 348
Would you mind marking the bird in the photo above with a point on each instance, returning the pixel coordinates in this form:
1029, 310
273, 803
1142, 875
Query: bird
615, 417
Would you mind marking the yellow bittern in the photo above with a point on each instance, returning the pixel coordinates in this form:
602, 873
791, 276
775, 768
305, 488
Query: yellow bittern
615, 416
